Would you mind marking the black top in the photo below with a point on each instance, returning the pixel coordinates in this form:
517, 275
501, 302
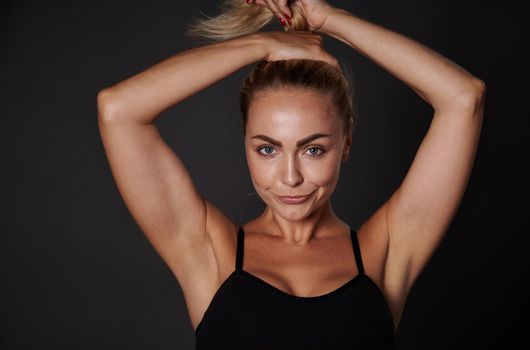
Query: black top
248, 313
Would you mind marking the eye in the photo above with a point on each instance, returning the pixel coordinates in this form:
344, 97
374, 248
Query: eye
268, 150
314, 151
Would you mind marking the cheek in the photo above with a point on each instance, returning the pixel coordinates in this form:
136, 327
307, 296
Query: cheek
321, 173
261, 171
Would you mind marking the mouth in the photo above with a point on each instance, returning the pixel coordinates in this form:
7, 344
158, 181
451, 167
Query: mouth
295, 199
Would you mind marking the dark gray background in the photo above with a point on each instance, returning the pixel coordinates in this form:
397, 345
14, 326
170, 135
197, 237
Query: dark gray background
77, 273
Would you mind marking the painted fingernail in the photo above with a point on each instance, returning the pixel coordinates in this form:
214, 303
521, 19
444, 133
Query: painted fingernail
286, 15
282, 21
248, 1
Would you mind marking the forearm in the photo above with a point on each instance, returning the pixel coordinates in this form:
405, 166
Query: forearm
435, 78
144, 96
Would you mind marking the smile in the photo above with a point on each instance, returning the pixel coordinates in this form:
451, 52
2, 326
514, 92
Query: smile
295, 199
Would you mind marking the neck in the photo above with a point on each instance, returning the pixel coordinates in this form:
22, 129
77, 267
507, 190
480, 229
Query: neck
301, 232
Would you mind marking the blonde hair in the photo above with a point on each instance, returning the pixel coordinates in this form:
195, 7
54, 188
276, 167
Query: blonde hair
238, 18
314, 75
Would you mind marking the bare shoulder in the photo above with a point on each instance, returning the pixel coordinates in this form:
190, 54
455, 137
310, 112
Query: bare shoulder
208, 262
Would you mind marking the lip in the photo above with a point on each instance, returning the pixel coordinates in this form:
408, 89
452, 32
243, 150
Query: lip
295, 199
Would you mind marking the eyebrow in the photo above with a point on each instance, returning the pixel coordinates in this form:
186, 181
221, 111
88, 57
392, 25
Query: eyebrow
298, 144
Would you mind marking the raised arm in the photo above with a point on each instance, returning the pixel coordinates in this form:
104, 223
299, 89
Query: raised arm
155, 185
141, 98
420, 211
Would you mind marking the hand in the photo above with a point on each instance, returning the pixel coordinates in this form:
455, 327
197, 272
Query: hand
314, 12
296, 45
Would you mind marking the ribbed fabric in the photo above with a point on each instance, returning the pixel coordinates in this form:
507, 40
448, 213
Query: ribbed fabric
248, 313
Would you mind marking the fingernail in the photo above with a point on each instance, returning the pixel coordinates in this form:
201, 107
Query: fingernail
286, 15
282, 21
248, 1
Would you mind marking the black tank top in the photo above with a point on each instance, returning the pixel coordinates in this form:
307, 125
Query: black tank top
248, 313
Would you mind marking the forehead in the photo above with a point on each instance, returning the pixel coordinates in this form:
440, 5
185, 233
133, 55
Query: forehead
290, 112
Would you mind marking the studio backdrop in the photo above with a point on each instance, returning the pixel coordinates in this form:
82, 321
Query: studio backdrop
76, 272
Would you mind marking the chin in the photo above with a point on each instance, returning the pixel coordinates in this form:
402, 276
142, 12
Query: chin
292, 214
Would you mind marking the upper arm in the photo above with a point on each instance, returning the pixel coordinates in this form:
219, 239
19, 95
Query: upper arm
155, 186
193, 237
421, 209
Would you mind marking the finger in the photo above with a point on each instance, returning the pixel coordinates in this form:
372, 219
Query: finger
283, 7
274, 9
271, 4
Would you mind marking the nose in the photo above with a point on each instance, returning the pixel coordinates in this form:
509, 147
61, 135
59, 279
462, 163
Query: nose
291, 174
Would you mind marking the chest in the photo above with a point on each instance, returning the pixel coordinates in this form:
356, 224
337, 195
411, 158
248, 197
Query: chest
301, 271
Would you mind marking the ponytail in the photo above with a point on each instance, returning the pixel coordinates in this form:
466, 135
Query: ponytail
238, 18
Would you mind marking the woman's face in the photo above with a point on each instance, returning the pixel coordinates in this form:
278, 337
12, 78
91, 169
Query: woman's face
294, 145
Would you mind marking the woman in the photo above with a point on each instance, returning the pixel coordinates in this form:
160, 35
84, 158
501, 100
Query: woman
307, 279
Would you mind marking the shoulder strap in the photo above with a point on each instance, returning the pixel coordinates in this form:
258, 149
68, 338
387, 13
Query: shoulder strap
357, 251
240, 245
